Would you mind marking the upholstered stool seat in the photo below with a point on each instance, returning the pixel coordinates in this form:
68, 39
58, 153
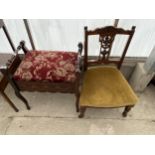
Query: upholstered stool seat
106, 87
52, 66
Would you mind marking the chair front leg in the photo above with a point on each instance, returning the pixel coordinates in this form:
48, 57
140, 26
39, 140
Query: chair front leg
126, 110
82, 112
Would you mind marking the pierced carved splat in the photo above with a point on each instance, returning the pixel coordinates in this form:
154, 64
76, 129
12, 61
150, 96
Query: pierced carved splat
106, 42
106, 38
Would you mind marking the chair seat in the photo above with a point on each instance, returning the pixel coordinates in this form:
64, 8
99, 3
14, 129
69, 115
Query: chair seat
53, 66
106, 87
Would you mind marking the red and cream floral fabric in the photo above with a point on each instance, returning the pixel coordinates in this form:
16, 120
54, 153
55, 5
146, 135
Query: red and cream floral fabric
47, 65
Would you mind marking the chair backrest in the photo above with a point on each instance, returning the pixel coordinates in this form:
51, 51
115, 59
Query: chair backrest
106, 39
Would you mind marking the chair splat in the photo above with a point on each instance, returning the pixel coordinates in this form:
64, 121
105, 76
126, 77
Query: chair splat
106, 42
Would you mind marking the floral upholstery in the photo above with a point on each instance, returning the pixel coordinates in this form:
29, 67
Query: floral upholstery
47, 65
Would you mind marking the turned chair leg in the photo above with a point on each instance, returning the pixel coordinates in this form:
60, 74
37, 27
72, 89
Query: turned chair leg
126, 110
23, 99
9, 101
82, 112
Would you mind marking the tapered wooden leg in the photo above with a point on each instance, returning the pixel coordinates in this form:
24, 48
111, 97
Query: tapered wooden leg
126, 110
23, 99
78, 76
9, 101
77, 102
82, 112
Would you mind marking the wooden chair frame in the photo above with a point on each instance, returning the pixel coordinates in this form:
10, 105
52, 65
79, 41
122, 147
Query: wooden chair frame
104, 32
106, 38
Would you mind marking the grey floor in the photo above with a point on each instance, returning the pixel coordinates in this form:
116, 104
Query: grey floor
55, 114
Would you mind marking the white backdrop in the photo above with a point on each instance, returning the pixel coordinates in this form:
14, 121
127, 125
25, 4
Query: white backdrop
64, 34
144, 37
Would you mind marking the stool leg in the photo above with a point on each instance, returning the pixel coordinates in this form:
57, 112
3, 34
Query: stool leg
9, 101
77, 101
77, 93
23, 99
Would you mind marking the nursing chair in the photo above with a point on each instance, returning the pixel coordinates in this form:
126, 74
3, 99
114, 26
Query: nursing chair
104, 86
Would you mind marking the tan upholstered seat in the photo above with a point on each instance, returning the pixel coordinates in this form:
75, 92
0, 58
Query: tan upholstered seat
106, 87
